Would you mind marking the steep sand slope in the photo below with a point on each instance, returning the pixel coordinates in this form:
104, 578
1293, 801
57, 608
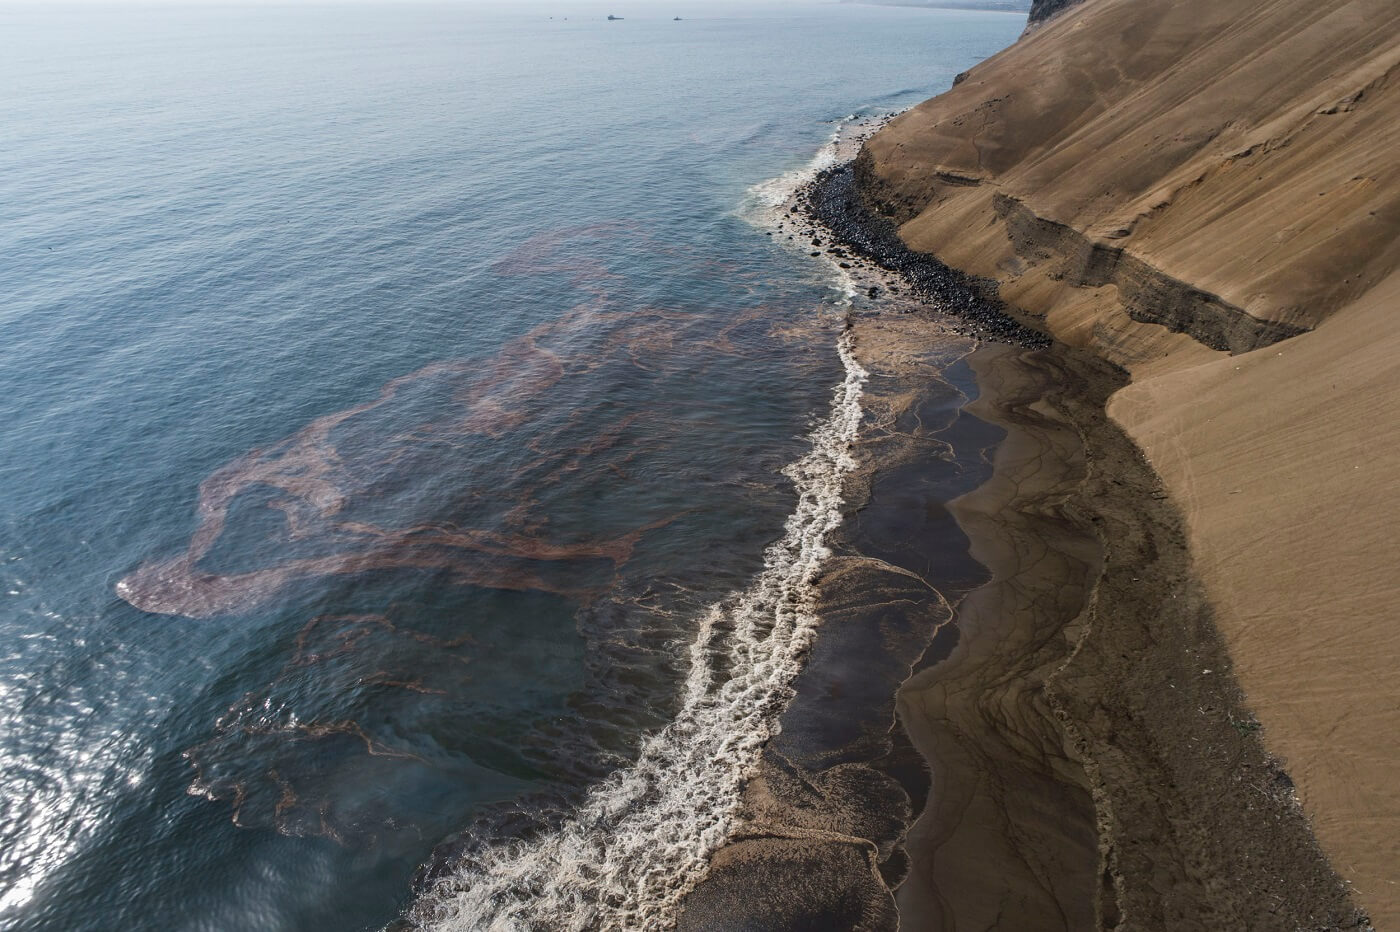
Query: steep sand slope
1184, 188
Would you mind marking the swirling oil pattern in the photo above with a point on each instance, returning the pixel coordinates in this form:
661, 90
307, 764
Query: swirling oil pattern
416, 461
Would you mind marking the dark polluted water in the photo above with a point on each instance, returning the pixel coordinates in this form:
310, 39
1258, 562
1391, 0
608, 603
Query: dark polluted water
413, 444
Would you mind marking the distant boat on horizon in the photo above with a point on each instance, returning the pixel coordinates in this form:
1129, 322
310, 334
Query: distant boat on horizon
611, 17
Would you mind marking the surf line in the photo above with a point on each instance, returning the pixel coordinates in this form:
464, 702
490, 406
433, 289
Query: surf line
643, 837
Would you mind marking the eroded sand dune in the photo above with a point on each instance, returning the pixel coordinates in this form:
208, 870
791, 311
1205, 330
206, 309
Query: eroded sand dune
1207, 193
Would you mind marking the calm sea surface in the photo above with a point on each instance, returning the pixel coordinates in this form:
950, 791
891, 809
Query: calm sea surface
390, 394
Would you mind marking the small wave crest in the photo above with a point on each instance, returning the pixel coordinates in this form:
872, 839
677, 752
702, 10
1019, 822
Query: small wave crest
764, 198
764, 202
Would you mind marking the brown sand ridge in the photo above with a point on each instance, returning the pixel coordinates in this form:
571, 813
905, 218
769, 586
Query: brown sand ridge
1206, 193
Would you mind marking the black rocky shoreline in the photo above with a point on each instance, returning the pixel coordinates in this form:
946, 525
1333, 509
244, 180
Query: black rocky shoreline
831, 204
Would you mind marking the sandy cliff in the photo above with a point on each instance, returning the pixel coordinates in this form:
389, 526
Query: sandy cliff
1207, 194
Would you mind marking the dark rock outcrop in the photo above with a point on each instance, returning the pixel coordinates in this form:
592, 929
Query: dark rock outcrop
1041, 10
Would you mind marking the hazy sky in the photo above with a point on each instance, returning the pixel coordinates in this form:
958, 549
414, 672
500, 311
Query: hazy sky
635, 4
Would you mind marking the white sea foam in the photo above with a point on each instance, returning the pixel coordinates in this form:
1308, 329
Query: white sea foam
768, 204
766, 201
643, 837
777, 192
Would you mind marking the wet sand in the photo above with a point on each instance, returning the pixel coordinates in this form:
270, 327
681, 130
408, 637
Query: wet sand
1094, 762
825, 813
1007, 839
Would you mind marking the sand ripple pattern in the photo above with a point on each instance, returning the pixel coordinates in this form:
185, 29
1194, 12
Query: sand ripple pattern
643, 837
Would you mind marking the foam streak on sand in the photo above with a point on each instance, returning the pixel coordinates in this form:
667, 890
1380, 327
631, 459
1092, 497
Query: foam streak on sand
643, 837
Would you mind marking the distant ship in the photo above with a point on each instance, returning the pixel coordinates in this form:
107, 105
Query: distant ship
611, 17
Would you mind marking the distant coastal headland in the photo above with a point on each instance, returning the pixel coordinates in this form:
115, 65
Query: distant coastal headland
1174, 703
1009, 6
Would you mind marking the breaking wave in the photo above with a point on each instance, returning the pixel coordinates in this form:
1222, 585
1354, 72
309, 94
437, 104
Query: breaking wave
768, 200
643, 837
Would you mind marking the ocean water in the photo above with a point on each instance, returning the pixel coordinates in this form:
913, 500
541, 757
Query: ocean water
412, 441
